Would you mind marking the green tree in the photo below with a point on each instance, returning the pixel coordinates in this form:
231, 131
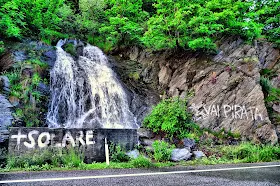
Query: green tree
267, 13
31, 18
124, 22
196, 24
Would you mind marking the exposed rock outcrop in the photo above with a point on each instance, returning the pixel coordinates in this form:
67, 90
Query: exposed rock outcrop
5, 117
226, 88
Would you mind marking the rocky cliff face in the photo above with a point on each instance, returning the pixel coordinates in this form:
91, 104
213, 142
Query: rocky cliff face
226, 87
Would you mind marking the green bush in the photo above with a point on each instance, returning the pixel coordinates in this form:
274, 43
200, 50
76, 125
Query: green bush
162, 151
171, 116
118, 154
141, 162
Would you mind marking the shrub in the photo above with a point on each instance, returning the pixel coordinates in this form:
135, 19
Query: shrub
118, 154
171, 117
162, 151
266, 84
141, 162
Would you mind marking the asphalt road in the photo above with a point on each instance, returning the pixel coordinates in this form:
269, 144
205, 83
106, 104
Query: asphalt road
265, 174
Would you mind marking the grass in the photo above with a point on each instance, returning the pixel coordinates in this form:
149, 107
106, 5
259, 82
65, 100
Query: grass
245, 152
92, 166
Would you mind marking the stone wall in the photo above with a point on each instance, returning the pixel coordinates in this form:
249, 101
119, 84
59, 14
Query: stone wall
89, 141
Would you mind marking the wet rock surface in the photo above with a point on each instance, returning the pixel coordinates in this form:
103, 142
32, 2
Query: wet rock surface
142, 96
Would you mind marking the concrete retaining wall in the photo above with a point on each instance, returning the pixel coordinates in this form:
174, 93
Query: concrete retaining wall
89, 141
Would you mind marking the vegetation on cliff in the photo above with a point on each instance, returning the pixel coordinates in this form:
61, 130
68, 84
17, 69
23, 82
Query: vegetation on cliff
155, 24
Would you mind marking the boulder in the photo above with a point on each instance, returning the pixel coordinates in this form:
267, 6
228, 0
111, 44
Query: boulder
231, 98
198, 154
147, 142
145, 133
189, 143
133, 154
180, 154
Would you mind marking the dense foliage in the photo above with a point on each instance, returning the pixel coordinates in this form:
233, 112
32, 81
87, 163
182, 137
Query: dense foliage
155, 24
170, 116
24, 92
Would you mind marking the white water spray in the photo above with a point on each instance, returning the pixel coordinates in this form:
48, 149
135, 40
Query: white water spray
86, 92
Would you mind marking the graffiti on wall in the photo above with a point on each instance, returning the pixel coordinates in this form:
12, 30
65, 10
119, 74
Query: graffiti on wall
238, 112
35, 138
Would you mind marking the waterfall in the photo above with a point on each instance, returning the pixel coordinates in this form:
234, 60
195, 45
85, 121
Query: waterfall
86, 93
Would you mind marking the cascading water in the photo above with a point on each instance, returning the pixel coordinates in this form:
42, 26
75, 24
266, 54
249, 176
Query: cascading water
86, 92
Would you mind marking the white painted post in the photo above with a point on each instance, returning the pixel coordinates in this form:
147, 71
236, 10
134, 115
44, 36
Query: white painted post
107, 152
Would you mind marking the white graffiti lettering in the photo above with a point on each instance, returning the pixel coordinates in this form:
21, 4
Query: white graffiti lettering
227, 111
47, 136
31, 139
34, 139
